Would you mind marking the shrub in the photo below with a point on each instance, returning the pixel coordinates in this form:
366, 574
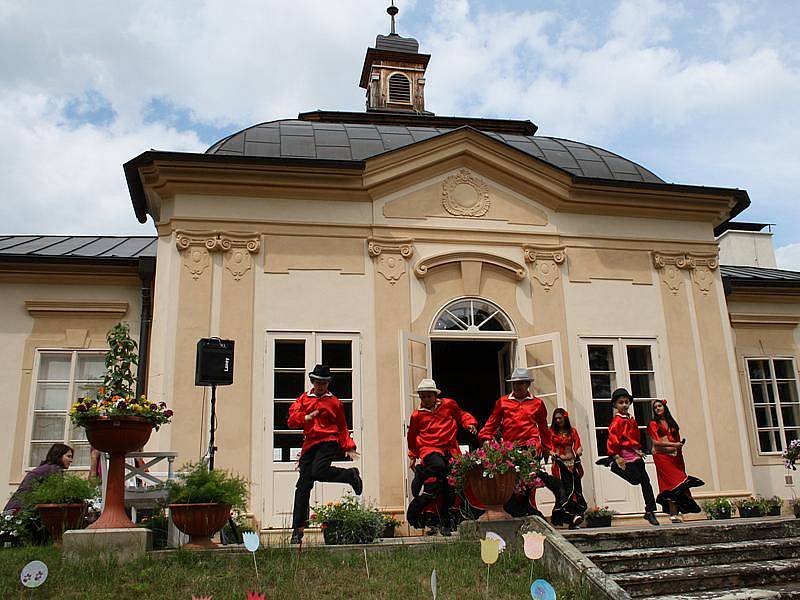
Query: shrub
599, 512
196, 485
348, 521
717, 508
58, 488
774, 503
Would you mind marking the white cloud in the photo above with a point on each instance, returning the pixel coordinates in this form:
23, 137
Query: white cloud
788, 257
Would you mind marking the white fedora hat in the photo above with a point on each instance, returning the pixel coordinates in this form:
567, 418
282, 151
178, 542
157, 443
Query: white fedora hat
428, 385
520, 374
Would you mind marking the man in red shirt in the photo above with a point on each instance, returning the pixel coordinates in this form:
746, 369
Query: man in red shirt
325, 435
522, 417
432, 441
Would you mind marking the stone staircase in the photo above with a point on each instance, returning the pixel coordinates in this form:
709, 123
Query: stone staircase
735, 560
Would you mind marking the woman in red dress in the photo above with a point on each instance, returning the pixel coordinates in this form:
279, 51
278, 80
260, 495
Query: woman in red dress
567, 467
674, 484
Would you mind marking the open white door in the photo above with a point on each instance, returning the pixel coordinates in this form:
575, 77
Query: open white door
415, 365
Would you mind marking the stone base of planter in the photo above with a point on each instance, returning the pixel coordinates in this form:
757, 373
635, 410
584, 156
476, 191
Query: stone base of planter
124, 544
508, 529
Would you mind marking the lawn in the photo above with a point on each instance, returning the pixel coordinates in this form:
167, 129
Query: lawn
396, 574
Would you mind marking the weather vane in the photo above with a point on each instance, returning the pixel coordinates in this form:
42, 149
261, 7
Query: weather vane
393, 10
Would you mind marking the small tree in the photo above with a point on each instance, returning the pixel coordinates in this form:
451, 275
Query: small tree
120, 360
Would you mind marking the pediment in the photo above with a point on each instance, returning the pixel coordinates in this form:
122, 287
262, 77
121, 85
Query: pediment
463, 194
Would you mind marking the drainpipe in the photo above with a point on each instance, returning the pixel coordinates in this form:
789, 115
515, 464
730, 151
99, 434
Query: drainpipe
147, 269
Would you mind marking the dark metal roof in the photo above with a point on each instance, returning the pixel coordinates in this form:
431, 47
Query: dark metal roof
396, 43
759, 275
77, 246
739, 226
359, 141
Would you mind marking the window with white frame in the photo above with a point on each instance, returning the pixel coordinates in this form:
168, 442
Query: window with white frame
293, 356
627, 363
471, 317
60, 378
776, 404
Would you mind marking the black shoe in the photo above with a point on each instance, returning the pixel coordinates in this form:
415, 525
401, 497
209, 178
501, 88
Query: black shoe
576, 522
445, 530
651, 518
358, 485
297, 536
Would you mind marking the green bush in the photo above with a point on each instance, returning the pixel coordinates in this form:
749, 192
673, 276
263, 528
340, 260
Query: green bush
196, 484
718, 508
348, 522
59, 488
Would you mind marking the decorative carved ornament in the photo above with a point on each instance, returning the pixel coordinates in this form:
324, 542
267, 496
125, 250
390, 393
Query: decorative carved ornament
545, 263
700, 266
465, 195
426, 264
196, 247
111, 309
390, 256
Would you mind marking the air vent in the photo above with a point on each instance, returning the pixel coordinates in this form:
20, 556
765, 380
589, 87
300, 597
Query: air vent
399, 89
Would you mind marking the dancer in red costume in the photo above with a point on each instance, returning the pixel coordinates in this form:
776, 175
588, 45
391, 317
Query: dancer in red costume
674, 484
567, 468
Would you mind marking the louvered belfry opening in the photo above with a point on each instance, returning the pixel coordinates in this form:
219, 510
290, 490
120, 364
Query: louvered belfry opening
399, 89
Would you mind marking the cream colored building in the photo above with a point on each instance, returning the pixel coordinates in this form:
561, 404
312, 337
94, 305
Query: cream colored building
393, 245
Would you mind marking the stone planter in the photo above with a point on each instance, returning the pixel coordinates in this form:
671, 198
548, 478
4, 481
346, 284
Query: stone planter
595, 521
750, 512
200, 522
58, 518
117, 436
492, 492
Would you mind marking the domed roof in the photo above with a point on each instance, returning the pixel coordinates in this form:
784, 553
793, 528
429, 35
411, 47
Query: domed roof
341, 141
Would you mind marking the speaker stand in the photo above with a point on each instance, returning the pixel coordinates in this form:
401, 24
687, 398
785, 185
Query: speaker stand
211, 447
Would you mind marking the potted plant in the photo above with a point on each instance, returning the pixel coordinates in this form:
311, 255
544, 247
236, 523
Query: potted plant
718, 508
201, 501
794, 503
117, 422
12, 530
750, 507
494, 472
599, 516
772, 506
60, 499
390, 524
791, 455
348, 522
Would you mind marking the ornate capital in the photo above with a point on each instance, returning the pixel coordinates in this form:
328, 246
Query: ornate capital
699, 265
544, 263
465, 195
390, 256
196, 247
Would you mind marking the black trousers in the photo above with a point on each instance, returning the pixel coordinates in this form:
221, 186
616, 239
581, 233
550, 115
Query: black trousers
315, 465
519, 505
636, 474
572, 501
433, 466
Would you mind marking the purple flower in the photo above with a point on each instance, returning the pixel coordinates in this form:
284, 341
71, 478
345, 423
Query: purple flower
122, 405
154, 407
168, 413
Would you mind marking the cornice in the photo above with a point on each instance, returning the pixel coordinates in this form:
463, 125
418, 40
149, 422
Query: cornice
112, 309
764, 320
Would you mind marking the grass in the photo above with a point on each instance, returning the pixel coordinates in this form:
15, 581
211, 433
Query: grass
394, 574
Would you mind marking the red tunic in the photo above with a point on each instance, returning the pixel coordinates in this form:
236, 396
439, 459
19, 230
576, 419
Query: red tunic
329, 425
522, 420
670, 467
623, 433
562, 441
434, 430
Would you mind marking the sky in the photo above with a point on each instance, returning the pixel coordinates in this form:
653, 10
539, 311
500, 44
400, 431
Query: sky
699, 92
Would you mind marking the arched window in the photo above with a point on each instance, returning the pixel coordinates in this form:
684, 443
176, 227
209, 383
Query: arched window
472, 317
399, 89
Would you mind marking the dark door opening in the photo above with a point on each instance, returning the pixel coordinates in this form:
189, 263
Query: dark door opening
473, 373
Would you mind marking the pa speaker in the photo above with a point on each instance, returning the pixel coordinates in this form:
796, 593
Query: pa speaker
214, 364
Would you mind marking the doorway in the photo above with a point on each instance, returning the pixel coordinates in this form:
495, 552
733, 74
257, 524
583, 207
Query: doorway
473, 373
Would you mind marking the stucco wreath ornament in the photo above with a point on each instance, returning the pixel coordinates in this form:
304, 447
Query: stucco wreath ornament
465, 195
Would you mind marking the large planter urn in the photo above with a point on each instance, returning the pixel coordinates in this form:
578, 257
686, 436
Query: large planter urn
58, 518
492, 492
117, 436
200, 522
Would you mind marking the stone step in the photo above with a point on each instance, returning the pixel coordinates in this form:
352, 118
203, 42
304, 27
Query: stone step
620, 561
682, 534
645, 584
787, 591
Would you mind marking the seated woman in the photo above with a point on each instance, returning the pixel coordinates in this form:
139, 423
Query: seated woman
674, 484
58, 459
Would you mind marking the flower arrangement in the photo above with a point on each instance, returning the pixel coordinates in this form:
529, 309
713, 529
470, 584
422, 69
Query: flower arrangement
599, 512
117, 397
390, 521
749, 503
348, 521
498, 458
12, 530
791, 455
718, 508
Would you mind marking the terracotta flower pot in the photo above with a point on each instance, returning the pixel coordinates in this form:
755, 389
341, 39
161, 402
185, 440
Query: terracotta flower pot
492, 492
117, 436
59, 518
200, 522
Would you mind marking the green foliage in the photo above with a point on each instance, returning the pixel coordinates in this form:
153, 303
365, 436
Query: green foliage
598, 512
717, 508
750, 503
120, 360
196, 484
390, 521
348, 521
58, 488
497, 458
772, 503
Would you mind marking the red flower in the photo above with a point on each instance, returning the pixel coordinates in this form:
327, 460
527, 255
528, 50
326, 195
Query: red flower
256, 596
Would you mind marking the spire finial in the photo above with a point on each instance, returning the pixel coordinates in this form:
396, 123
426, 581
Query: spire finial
393, 10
